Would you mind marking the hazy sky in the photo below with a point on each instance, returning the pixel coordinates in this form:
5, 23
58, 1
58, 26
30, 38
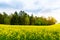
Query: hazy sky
37, 7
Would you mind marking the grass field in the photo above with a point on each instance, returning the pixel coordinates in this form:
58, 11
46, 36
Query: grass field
27, 32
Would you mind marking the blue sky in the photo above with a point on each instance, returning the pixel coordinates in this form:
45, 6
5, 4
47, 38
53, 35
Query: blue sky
37, 7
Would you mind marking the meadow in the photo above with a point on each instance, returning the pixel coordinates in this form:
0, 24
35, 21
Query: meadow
29, 32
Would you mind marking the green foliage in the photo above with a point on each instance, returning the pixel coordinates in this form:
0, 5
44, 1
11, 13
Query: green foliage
14, 19
32, 20
23, 18
1, 19
6, 18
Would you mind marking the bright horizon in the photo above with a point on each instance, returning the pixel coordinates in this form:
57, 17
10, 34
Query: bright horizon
37, 7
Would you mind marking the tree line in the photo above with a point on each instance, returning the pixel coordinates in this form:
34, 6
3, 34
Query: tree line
22, 18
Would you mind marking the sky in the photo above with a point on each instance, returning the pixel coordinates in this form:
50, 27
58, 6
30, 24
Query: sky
37, 7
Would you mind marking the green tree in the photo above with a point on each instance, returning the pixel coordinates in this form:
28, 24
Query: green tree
14, 19
51, 20
26, 19
32, 20
23, 18
6, 18
1, 19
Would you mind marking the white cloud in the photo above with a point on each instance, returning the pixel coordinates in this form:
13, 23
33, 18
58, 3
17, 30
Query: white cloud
5, 1
54, 13
8, 11
48, 7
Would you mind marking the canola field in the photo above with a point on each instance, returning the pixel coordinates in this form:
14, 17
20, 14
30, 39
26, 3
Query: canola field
29, 32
